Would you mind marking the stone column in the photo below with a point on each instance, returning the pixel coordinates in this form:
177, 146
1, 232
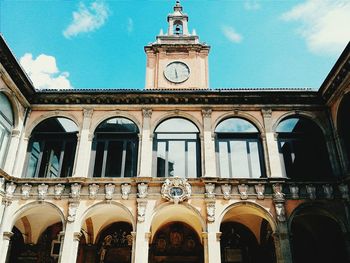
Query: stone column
5, 245
272, 156
281, 237
133, 234
70, 245
205, 247
142, 244
84, 147
12, 151
20, 164
208, 145
214, 246
146, 145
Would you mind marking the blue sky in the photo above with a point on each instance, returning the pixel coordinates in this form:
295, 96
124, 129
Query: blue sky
99, 43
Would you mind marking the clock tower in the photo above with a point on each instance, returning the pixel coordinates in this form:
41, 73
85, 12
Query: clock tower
177, 60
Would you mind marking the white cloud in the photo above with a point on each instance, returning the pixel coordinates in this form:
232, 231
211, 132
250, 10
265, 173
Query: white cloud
231, 34
87, 19
130, 25
44, 73
324, 24
251, 5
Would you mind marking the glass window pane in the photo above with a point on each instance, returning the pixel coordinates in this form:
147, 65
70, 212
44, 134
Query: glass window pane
6, 108
130, 159
99, 159
4, 141
236, 125
177, 125
224, 160
56, 125
50, 160
114, 159
176, 159
33, 159
68, 159
239, 159
255, 160
189, 136
117, 125
161, 159
192, 160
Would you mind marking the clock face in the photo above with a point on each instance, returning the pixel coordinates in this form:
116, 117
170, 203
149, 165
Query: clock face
177, 72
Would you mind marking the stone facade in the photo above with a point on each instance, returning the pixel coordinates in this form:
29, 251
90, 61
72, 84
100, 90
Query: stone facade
142, 218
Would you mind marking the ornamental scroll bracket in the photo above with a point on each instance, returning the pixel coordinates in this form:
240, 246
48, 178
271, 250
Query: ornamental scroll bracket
176, 189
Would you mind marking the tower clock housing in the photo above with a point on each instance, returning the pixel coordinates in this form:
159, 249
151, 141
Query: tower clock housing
177, 60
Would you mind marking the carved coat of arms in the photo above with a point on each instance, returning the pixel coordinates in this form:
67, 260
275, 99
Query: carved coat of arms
176, 189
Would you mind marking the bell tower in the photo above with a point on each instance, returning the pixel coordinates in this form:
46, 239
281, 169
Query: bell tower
177, 59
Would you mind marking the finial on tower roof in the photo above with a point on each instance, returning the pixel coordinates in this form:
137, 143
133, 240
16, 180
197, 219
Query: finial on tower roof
177, 6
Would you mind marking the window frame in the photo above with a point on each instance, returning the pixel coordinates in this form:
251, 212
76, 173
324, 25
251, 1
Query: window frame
157, 140
106, 138
47, 137
247, 137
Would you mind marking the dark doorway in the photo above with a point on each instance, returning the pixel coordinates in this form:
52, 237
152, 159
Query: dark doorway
317, 238
239, 245
174, 243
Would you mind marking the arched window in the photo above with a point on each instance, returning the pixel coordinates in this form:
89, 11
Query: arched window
176, 149
114, 149
178, 28
238, 148
302, 149
344, 125
51, 149
6, 126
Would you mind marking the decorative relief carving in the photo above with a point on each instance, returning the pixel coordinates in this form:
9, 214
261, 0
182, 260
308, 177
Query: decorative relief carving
344, 191
2, 184
58, 191
278, 195
10, 190
210, 210
176, 189
294, 191
109, 191
141, 210
93, 190
72, 211
87, 112
267, 113
147, 113
206, 113
142, 190
280, 212
126, 190
328, 191
26, 191
75, 191
226, 191
243, 191
260, 190
210, 190
311, 190
42, 191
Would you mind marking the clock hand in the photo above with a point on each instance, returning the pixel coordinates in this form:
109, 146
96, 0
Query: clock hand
176, 74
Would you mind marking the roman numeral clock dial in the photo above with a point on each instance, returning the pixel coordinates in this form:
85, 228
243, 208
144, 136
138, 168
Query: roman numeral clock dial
177, 72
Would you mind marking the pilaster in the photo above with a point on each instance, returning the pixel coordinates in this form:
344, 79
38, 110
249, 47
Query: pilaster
6, 236
208, 145
272, 156
145, 169
83, 152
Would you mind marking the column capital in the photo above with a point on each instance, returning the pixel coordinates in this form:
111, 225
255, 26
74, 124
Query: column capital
7, 235
77, 236
87, 112
205, 235
147, 112
218, 236
206, 112
266, 113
